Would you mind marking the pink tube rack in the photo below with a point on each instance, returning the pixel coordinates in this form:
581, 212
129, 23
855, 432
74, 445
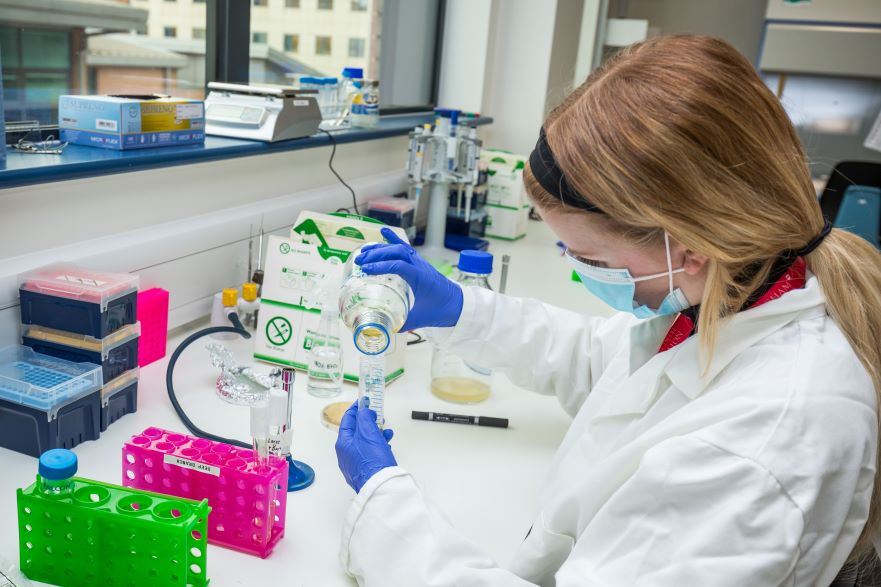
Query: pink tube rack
247, 500
153, 316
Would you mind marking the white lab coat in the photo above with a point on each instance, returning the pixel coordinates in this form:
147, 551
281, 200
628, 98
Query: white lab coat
757, 474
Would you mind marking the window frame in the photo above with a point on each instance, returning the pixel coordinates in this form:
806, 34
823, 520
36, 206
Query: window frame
361, 42
329, 44
227, 55
295, 43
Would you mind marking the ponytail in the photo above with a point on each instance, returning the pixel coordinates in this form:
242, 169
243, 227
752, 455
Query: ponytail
849, 271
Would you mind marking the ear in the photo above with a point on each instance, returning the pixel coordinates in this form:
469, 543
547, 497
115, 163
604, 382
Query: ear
694, 263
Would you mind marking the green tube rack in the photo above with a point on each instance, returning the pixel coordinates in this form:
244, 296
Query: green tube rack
112, 536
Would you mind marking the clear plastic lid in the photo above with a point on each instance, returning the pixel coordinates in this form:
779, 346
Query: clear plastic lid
84, 341
118, 384
86, 285
402, 205
44, 382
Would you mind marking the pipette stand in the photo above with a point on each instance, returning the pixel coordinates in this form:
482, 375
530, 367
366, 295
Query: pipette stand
433, 250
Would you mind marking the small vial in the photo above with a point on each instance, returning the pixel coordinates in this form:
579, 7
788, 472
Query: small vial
56, 470
371, 386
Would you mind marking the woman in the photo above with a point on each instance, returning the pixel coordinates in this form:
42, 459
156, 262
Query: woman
729, 439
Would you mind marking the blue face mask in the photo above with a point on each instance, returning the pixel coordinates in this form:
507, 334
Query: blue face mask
617, 288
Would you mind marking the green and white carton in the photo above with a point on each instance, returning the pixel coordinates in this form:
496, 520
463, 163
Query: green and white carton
289, 310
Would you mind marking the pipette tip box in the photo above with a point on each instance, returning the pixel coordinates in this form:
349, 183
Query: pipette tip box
46, 402
247, 500
108, 535
153, 316
117, 353
119, 398
77, 300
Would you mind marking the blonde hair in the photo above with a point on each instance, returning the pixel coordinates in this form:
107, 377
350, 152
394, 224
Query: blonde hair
680, 134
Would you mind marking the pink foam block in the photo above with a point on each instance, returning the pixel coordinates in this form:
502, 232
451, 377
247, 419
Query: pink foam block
153, 315
247, 500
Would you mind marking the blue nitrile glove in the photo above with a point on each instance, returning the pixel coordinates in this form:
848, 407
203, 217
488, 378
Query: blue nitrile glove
362, 449
438, 301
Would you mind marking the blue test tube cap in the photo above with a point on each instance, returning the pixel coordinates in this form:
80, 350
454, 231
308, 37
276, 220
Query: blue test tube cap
479, 262
353, 72
57, 464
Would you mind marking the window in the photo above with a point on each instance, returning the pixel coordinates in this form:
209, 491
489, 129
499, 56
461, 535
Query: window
258, 37
198, 1
356, 47
261, 2
322, 45
41, 62
394, 41
292, 43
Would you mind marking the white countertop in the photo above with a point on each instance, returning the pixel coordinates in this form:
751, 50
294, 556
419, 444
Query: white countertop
486, 480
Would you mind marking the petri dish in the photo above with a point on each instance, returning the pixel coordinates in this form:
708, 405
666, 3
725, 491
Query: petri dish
333, 413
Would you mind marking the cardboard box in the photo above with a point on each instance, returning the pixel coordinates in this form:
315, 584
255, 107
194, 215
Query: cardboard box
504, 179
506, 222
131, 122
289, 312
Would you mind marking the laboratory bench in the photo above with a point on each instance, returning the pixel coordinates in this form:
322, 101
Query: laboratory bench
486, 480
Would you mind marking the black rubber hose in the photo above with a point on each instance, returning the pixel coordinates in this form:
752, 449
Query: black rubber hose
169, 377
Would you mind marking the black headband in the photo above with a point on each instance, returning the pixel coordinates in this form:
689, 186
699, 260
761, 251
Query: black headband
550, 177
815, 242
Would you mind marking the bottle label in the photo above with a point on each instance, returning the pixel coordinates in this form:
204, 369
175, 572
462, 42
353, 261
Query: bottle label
188, 464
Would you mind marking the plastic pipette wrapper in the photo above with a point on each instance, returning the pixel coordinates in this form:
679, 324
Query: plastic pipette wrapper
280, 405
260, 422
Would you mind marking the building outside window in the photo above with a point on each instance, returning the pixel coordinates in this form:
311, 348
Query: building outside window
292, 43
325, 4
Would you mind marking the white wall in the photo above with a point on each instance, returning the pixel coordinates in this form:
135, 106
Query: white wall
463, 64
517, 57
518, 65
739, 22
182, 228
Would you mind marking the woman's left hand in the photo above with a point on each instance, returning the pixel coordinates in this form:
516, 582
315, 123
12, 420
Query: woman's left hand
362, 449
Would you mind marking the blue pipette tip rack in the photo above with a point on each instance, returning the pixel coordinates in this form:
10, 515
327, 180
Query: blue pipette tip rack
300, 475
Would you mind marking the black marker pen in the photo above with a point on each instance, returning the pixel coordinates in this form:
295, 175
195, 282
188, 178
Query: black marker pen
457, 419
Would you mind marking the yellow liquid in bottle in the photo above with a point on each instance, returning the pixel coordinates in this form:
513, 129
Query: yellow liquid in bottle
459, 389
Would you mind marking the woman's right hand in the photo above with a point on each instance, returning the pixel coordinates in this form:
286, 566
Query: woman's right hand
438, 301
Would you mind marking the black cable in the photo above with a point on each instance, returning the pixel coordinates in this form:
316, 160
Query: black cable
332, 170
419, 339
237, 328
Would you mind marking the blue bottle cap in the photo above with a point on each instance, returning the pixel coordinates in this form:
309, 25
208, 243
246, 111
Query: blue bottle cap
57, 464
479, 262
353, 72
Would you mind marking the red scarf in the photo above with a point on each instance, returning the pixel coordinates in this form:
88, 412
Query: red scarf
794, 278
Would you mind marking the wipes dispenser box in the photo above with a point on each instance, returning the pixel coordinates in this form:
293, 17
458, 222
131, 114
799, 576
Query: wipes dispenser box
289, 311
131, 122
